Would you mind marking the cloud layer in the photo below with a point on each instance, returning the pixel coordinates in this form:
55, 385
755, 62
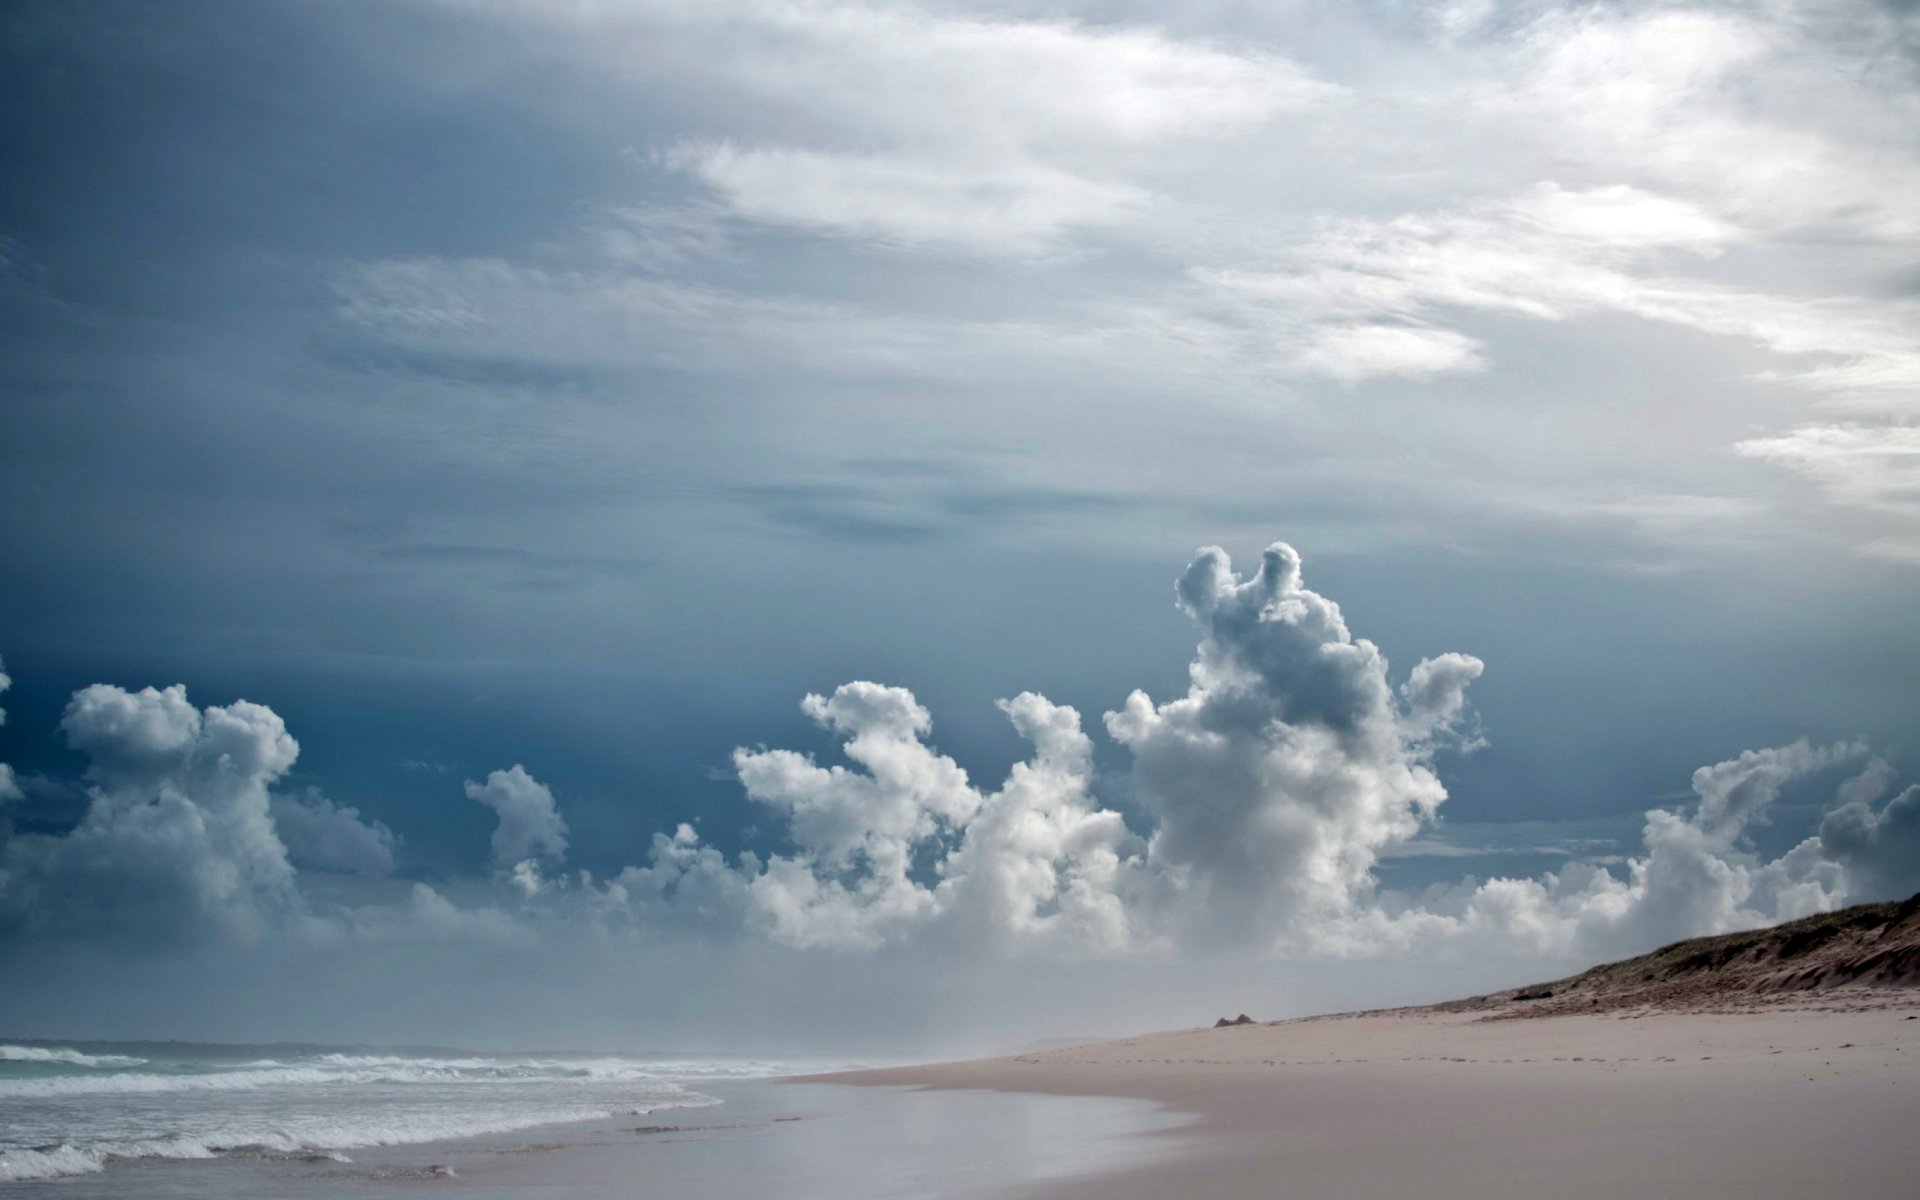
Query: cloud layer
1135, 209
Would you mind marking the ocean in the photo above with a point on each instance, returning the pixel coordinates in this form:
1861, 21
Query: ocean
81, 1120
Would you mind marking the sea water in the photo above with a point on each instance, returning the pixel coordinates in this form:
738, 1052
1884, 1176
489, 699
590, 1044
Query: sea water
107, 1120
75, 1108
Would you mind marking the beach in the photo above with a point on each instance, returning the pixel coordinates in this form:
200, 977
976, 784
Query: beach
1754, 1095
1811, 1095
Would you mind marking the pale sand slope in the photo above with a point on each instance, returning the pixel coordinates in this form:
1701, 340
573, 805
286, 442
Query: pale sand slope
1815, 1096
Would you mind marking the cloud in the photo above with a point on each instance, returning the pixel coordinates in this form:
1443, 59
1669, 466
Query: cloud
324, 836
940, 131
1736, 792
1034, 864
606, 316
859, 826
683, 882
1289, 764
178, 837
1879, 848
1042, 864
1368, 298
1873, 467
1436, 696
910, 203
1549, 253
1696, 873
1273, 785
1207, 221
530, 825
1266, 795
1864, 467
1774, 116
1353, 353
1272, 789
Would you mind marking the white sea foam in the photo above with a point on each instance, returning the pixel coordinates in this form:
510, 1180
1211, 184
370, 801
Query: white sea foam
99, 1085
52, 1162
315, 1135
64, 1112
65, 1057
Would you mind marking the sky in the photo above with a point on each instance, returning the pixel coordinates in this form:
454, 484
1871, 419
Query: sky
833, 524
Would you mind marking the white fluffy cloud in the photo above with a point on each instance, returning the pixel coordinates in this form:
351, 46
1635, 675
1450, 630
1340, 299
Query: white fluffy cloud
906, 846
1696, 873
182, 834
177, 835
1266, 796
531, 829
1290, 762
1272, 786
1272, 789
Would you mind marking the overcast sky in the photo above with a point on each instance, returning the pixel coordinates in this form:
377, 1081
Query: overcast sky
658, 497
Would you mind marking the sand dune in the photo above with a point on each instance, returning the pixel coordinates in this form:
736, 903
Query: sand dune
1868, 945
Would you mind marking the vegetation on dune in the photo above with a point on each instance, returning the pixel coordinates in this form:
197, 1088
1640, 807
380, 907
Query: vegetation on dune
1874, 945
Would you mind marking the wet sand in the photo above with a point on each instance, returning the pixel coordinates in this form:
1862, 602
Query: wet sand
1795, 1097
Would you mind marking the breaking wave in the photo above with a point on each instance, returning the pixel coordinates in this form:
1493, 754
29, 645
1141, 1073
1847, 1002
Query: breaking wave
330, 1070
67, 1111
48, 1162
65, 1057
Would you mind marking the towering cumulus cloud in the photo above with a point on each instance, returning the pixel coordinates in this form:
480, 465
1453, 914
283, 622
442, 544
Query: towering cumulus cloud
1290, 761
531, 829
1272, 786
1031, 861
179, 836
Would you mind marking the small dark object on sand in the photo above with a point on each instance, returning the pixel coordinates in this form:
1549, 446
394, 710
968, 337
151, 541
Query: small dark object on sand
1242, 1019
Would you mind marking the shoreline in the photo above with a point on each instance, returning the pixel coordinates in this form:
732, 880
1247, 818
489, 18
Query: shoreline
1798, 1095
755, 1138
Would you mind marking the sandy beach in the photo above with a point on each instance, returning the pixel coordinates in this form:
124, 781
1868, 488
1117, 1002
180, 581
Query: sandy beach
1817, 1094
